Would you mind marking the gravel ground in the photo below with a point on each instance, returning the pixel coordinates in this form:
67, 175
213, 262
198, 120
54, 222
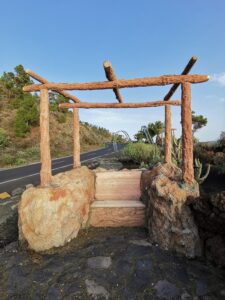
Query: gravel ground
107, 264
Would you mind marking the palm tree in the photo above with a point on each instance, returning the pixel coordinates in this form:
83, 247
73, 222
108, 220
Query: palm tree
155, 129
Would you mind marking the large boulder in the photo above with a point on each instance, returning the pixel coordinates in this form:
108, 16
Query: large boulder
52, 216
170, 221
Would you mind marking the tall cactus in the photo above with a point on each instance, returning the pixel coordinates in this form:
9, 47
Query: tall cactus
177, 151
198, 171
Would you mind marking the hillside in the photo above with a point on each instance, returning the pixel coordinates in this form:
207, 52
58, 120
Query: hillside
19, 125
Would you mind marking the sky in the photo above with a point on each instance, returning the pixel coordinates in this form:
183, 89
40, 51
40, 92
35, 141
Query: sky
67, 41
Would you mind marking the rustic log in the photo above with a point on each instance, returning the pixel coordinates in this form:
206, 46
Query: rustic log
76, 138
187, 142
186, 70
123, 83
168, 134
118, 105
111, 76
43, 80
45, 172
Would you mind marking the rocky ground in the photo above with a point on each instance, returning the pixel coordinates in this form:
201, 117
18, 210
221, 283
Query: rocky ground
107, 264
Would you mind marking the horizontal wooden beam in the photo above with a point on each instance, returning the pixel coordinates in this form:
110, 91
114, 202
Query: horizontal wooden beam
118, 105
43, 80
111, 76
123, 83
186, 70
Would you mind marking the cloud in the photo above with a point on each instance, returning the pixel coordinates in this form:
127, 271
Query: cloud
219, 78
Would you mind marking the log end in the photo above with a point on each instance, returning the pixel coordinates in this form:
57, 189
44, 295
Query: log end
194, 58
107, 64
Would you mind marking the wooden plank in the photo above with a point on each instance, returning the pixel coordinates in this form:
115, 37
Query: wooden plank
76, 138
88, 105
43, 80
111, 76
186, 70
117, 217
121, 185
45, 172
187, 139
123, 83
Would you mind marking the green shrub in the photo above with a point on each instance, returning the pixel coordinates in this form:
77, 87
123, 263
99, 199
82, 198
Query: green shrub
8, 159
4, 140
20, 161
141, 153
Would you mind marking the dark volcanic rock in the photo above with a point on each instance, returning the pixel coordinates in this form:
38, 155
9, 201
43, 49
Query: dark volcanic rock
209, 213
131, 271
170, 220
8, 220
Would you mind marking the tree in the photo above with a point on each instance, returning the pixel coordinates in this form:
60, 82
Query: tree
155, 129
27, 115
139, 136
198, 121
12, 83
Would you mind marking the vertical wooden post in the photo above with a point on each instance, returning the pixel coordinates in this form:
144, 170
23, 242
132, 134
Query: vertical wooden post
45, 153
76, 138
167, 134
187, 142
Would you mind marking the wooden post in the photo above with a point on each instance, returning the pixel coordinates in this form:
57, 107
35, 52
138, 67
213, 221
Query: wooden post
45, 172
187, 142
167, 134
76, 138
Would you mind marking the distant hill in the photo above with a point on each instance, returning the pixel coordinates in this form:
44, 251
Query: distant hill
19, 124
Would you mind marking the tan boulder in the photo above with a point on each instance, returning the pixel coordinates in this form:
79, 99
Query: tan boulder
52, 216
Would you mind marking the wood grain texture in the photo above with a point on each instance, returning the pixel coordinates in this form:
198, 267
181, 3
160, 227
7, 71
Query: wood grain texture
111, 76
168, 134
88, 105
122, 83
122, 185
117, 217
43, 80
45, 172
187, 139
76, 138
186, 70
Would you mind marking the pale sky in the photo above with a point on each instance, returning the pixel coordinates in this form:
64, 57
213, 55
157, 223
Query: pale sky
67, 41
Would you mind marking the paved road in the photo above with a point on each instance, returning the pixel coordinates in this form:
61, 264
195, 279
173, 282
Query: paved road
20, 176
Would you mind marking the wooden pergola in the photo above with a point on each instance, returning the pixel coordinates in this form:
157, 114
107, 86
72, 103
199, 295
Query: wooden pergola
185, 80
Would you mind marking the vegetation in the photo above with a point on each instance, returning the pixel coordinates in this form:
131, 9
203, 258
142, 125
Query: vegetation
154, 129
198, 171
19, 123
212, 153
142, 154
198, 121
3, 139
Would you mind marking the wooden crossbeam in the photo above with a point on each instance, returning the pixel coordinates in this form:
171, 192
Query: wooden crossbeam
119, 105
111, 76
186, 70
43, 80
123, 83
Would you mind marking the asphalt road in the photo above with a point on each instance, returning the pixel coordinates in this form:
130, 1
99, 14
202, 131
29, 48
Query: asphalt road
20, 176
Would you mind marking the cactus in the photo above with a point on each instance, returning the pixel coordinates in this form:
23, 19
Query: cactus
198, 171
177, 151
